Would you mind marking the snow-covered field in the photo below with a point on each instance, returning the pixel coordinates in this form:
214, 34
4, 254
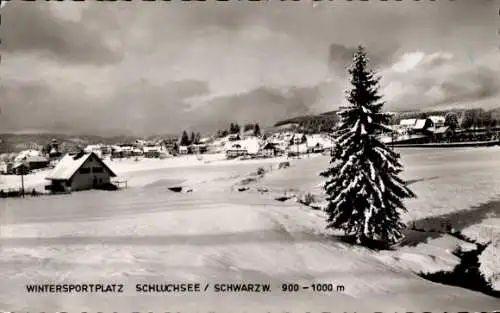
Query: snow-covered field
147, 234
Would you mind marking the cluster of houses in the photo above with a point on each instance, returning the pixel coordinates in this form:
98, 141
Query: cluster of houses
24, 162
30, 160
279, 144
423, 130
242, 145
87, 169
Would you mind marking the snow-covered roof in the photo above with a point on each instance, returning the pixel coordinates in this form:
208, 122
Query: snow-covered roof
437, 119
116, 148
420, 124
251, 145
314, 140
441, 130
408, 122
151, 149
19, 164
36, 158
91, 147
68, 166
27, 153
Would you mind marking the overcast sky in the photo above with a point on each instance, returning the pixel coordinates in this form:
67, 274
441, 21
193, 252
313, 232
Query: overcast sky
159, 67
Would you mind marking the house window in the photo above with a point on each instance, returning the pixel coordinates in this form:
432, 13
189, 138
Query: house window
84, 170
97, 170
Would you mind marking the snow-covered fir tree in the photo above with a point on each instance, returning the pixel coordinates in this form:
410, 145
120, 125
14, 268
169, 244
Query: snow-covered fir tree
365, 194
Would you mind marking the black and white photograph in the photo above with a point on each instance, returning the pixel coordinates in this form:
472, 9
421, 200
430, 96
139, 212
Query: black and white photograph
250, 156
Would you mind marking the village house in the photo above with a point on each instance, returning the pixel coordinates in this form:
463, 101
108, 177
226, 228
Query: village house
105, 150
236, 150
81, 171
183, 149
25, 154
6, 168
137, 152
233, 137
35, 162
20, 168
318, 143
298, 138
199, 148
116, 152
437, 121
122, 151
249, 146
406, 125
412, 126
97, 149
28, 162
443, 134
151, 151
269, 150
127, 150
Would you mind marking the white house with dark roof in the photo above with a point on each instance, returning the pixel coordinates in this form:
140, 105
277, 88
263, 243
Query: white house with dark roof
437, 120
248, 146
80, 171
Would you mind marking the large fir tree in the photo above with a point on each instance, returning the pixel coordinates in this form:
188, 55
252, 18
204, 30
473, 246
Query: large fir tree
365, 194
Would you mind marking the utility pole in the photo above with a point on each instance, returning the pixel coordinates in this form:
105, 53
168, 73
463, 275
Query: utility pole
23, 166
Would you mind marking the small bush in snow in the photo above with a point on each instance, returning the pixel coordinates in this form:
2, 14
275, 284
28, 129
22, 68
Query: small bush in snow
308, 198
261, 171
284, 165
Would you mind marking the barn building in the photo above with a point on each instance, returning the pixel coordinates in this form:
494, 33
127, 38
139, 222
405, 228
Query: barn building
79, 171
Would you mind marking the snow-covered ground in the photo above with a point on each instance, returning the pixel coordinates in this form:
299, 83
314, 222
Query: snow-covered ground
460, 186
147, 234
136, 172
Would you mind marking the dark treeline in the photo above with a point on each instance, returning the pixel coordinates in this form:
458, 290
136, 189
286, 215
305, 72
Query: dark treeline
471, 118
312, 123
235, 128
187, 140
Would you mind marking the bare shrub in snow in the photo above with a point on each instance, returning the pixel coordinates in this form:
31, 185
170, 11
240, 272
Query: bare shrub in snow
261, 171
284, 165
308, 198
